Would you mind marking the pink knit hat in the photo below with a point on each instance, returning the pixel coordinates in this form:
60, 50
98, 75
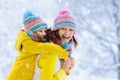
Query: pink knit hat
64, 18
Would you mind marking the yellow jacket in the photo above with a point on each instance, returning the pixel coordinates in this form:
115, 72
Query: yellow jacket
23, 67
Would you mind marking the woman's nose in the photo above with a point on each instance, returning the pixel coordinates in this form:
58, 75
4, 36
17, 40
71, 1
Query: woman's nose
67, 31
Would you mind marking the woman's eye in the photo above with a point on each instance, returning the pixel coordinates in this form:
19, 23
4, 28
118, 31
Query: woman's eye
71, 29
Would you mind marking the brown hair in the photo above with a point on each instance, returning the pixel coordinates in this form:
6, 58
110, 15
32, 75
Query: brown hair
37, 37
53, 35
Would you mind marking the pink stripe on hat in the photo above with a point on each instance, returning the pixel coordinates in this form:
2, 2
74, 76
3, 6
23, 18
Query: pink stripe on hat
63, 19
33, 21
33, 26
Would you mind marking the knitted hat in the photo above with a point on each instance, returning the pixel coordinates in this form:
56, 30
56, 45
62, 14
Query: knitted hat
32, 22
64, 18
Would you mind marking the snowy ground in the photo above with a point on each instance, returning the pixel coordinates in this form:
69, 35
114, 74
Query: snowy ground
96, 57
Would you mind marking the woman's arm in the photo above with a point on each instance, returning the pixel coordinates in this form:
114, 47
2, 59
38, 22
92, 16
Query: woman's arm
47, 64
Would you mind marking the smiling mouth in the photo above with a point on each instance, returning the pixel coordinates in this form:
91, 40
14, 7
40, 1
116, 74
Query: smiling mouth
65, 37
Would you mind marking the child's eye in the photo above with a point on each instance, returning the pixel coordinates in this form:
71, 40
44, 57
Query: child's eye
40, 31
63, 28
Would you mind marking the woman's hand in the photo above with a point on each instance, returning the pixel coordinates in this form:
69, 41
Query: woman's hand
65, 64
72, 64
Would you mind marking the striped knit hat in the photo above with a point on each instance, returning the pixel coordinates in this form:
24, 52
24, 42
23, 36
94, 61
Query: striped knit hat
32, 22
64, 18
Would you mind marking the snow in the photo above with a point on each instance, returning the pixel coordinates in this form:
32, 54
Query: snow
96, 56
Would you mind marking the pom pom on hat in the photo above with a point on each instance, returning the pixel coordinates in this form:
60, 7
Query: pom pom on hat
64, 18
32, 22
28, 13
64, 11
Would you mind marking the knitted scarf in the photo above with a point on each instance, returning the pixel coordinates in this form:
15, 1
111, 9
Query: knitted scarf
67, 46
29, 33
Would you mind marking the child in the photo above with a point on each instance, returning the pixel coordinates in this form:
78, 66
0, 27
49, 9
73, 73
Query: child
30, 45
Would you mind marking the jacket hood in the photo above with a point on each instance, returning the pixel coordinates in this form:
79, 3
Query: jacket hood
20, 38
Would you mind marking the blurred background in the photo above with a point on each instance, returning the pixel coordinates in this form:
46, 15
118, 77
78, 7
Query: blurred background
97, 57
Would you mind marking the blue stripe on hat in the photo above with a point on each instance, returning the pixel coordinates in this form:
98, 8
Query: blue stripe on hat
36, 27
64, 23
30, 19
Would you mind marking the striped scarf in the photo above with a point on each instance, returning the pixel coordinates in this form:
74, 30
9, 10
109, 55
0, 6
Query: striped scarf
67, 46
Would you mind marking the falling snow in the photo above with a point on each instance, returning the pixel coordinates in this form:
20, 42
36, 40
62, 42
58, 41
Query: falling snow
96, 56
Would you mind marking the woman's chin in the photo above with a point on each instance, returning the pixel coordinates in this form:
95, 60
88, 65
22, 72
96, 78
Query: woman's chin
65, 41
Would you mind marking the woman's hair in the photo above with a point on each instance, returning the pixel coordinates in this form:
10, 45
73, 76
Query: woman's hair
53, 35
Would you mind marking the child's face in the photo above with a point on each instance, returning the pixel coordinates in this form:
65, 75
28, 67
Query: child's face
41, 33
66, 34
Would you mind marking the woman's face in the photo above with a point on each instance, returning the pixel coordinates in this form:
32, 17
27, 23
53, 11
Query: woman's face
41, 33
66, 34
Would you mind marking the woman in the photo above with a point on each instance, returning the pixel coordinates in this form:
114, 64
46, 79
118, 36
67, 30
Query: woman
62, 34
